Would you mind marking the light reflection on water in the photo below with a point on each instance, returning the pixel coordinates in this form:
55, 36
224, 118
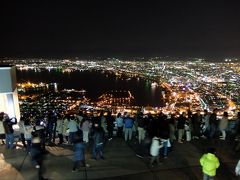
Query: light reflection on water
97, 83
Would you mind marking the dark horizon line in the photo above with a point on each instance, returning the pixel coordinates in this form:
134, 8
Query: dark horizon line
89, 57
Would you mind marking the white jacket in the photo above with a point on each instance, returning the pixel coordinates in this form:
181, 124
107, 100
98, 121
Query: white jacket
155, 146
237, 169
73, 126
85, 126
119, 121
2, 130
65, 127
223, 123
60, 126
28, 131
21, 127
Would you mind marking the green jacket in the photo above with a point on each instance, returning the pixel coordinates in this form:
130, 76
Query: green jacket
209, 163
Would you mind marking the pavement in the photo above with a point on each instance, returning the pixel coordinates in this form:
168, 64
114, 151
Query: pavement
123, 160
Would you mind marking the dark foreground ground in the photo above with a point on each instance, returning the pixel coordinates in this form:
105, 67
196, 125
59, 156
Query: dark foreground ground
122, 161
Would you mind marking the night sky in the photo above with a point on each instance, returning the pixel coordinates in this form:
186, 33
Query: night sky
120, 28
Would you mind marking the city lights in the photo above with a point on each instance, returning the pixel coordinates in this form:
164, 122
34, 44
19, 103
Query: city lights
185, 84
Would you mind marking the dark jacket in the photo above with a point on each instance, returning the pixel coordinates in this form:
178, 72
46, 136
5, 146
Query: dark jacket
7, 124
141, 122
164, 130
213, 119
98, 136
181, 122
79, 149
128, 122
196, 121
110, 122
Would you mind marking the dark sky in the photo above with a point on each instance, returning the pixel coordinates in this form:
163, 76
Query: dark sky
119, 28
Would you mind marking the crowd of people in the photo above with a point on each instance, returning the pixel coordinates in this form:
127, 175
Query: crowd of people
96, 128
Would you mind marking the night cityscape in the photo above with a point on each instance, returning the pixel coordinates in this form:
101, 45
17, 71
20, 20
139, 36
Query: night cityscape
120, 90
195, 85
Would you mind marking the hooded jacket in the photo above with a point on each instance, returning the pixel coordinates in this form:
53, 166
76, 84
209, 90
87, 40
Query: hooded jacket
209, 163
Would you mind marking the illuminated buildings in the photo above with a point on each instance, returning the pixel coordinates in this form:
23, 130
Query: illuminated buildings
36, 99
208, 85
116, 98
36, 88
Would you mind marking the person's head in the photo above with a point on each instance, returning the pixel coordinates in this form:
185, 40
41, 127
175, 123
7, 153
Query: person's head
211, 150
5, 116
85, 117
80, 113
60, 116
173, 115
101, 113
149, 114
164, 117
215, 110
109, 113
89, 114
205, 111
95, 114
189, 112
27, 122
184, 114
119, 115
198, 112
72, 117
67, 116
161, 114
225, 114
